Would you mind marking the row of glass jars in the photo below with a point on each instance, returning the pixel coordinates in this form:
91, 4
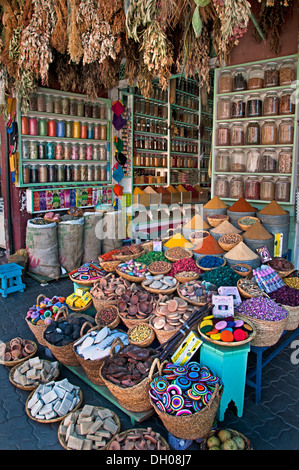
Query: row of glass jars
186, 117
269, 133
47, 103
150, 143
187, 101
150, 161
184, 147
271, 75
157, 93
58, 128
188, 86
273, 104
150, 108
34, 150
52, 173
253, 188
254, 161
151, 126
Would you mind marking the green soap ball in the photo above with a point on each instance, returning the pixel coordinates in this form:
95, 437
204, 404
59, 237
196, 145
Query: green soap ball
206, 328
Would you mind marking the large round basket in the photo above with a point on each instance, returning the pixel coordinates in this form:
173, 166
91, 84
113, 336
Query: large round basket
122, 258
53, 420
284, 273
134, 398
183, 279
100, 321
171, 257
19, 361
247, 445
247, 273
37, 330
32, 386
245, 227
268, 333
65, 354
155, 272
229, 246
194, 426
210, 269
130, 278
163, 335
293, 317
193, 302
214, 221
124, 434
61, 437
109, 266
86, 283
130, 322
143, 343
230, 344
160, 291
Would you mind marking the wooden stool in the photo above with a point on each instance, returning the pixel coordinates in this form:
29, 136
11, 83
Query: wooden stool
11, 279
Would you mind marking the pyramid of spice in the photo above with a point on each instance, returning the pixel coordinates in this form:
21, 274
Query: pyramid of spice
208, 246
178, 240
225, 228
257, 232
215, 203
197, 223
273, 208
241, 252
241, 205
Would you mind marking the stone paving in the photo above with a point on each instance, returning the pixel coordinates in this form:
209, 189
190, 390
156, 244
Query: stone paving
270, 425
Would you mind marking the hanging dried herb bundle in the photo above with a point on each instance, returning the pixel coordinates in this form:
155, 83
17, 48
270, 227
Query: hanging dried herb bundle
140, 13
68, 73
75, 49
10, 14
198, 64
132, 60
271, 18
59, 40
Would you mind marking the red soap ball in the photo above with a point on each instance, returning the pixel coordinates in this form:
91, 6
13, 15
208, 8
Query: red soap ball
227, 336
240, 335
41, 312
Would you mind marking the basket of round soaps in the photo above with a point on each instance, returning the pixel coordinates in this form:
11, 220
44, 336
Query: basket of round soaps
136, 306
160, 284
132, 270
197, 292
186, 398
138, 439
33, 372
88, 428
51, 402
228, 331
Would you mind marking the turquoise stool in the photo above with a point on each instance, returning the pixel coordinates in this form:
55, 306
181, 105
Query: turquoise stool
230, 365
11, 279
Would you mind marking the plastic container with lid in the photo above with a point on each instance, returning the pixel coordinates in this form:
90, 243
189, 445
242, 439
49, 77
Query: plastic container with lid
223, 134
286, 131
269, 161
255, 77
236, 187
224, 108
287, 72
221, 186
238, 161
225, 81
254, 105
271, 104
267, 188
282, 189
253, 161
253, 133
238, 106
240, 79
269, 132
271, 76
237, 134
252, 188
285, 159
287, 102
222, 161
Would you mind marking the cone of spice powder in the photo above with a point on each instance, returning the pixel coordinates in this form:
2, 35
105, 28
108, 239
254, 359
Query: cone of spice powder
214, 206
273, 208
225, 228
240, 209
196, 223
257, 237
208, 246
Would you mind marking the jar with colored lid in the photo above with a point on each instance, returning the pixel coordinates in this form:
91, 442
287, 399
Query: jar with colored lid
223, 134
267, 188
237, 134
52, 128
222, 163
287, 102
221, 186
269, 161
83, 130
236, 187
252, 188
32, 126
282, 189
224, 109
287, 72
254, 105
238, 161
253, 133
225, 81
253, 161
286, 131
76, 130
60, 128
271, 104
240, 79
90, 130
24, 125
271, 76
269, 132
238, 106
255, 77
42, 127
285, 160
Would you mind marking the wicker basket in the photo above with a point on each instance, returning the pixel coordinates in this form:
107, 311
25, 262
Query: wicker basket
284, 273
204, 445
247, 274
53, 420
123, 435
243, 292
155, 273
293, 317
146, 342
163, 335
134, 398
232, 343
246, 227
32, 386
111, 325
63, 442
193, 302
130, 322
196, 240
148, 246
81, 309
159, 291
130, 278
81, 283
210, 269
123, 258
183, 279
194, 426
17, 362
100, 303
109, 266
215, 222
189, 254
229, 246
268, 333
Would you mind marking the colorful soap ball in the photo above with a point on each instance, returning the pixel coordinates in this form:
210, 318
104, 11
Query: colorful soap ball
225, 330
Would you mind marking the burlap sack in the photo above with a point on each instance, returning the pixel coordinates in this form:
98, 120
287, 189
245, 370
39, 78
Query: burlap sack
70, 243
91, 240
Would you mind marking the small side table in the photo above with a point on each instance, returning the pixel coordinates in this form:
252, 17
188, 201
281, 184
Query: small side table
230, 365
11, 279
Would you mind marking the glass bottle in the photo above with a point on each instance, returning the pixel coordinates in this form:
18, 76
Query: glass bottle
237, 135
225, 81
253, 133
254, 105
269, 161
240, 79
282, 189
222, 163
271, 104
255, 77
271, 77
238, 161
238, 106
221, 186
285, 159
287, 72
287, 102
236, 187
253, 161
286, 131
269, 133
252, 188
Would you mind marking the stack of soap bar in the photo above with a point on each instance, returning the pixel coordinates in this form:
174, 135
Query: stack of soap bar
35, 371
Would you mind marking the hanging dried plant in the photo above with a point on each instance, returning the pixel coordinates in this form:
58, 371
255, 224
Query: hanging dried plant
90, 79
132, 60
198, 65
10, 16
59, 37
75, 49
140, 13
68, 73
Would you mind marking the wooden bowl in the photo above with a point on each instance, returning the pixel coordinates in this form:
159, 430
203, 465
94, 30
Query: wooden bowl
246, 227
215, 222
248, 273
229, 246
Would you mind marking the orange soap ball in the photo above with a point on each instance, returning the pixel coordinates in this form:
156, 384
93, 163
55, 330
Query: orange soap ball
240, 335
214, 331
227, 336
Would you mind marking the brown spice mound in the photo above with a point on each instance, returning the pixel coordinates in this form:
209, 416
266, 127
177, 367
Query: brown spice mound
273, 208
241, 205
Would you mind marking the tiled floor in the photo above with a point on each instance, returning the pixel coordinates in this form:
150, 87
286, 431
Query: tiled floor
271, 425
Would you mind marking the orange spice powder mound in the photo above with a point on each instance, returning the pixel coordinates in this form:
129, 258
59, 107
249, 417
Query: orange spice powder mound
241, 205
208, 246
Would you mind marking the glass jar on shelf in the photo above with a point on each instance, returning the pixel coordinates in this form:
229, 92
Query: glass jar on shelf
255, 77
26, 174
57, 108
254, 105
267, 188
253, 133
236, 187
271, 104
225, 81
238, 106
68, 173
41, 102
50, 150
237, 134
61, 173
33, 173
240, 79
72, 107
223, 134
222, 161
286, 131
238, 161
102, 111
285, 160
41, 150
95, 111
33, 102
75, 152
68, 129
90, 130
103, 173
59, 151
33, 150
271, 76
25, 150
90, 173
222, 186
82, 151
287, 103
269, 161
287, 72
76, 173
87, 109
80, 108
269, 132
52, 173
67, 151
83, 172
282, 189
252, 188
224, 108
65, 105
253, 161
